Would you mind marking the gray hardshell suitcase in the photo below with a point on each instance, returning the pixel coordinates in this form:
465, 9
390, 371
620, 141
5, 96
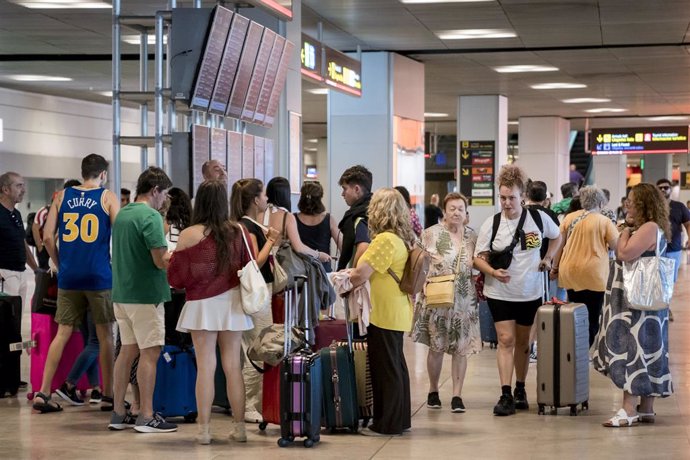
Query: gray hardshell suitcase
563, 356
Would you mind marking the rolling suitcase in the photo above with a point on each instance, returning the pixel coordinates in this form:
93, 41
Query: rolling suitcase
43, 331
487, 328
340, 404
10, 308
300, 386
174, 393
563, 350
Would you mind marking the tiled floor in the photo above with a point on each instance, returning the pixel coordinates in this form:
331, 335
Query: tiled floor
82, 433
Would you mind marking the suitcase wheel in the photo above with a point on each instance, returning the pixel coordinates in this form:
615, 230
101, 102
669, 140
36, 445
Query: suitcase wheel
291, 438
554, 410
308, 443
585, 405
263, 425
282, 442
573, 410
541, 409
191, 417
317, 438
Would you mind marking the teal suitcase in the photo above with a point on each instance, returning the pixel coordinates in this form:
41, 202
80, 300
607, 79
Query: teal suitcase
340, 407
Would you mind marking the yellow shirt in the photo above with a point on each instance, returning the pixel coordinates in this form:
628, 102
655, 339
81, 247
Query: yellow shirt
390, 307
585, 261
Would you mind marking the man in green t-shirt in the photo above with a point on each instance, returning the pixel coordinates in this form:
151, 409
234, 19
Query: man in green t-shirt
140, 287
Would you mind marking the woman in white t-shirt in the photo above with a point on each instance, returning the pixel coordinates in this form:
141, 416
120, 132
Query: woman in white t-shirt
515, 293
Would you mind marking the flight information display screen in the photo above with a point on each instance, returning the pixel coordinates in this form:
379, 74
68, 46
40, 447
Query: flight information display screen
622, 141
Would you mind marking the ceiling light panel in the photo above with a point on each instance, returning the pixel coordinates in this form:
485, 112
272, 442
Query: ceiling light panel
318, 91
525, 68
37, 78
474, 34
63, 4
444, 1
586, 100
668, 118
136, 39
435, 115
558, 86
606, 110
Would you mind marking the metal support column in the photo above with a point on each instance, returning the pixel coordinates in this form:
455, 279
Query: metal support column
117, 154
158, 90
143, 87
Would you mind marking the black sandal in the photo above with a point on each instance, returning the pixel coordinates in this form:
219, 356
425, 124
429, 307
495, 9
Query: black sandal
46, 406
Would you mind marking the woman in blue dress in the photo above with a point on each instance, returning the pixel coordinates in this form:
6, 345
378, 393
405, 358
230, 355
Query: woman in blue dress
632, 345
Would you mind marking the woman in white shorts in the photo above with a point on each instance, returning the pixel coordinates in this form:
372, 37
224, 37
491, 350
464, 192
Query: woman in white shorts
205, 263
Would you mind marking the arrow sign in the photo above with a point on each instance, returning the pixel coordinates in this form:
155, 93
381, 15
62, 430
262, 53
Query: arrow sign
600, 138
465, 154
465, 171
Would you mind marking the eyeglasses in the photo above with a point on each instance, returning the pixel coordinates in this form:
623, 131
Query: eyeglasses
664, 187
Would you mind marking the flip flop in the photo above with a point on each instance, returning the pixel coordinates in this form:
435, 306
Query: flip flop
621, 419
46, 406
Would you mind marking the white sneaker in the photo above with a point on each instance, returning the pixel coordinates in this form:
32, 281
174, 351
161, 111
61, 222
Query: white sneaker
252, 416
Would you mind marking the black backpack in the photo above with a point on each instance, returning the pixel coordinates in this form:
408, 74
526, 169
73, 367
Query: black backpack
29, 233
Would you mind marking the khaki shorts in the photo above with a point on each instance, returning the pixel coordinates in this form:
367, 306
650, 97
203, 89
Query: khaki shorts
141, 324
72, 305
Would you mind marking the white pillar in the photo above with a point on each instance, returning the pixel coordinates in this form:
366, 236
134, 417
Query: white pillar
545, 150
484, 118
657, 166
610, 173
368, 130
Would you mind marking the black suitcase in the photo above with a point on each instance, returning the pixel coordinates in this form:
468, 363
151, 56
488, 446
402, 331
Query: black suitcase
10, 321
173, 308
487, 328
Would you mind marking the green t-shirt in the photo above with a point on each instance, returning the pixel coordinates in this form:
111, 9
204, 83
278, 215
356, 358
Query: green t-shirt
138, 228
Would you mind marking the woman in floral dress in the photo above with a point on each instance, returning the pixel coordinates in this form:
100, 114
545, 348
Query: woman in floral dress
455, 330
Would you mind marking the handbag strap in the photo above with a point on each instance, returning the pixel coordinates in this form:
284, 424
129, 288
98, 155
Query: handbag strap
246, 244
577, 221
284, 232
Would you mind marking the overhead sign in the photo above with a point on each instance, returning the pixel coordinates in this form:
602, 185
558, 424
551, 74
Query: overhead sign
477, 171
343, 72
622, 141
280, 8
310, 56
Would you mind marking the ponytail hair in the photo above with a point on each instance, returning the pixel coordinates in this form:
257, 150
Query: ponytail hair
243, 193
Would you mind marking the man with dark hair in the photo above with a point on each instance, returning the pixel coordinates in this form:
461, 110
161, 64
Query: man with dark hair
140, 288
679, 216
356, 184
125, 197
432, 212
214, 170
81, 217
569, 191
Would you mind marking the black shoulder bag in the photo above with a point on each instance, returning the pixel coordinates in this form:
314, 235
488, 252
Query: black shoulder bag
503, 258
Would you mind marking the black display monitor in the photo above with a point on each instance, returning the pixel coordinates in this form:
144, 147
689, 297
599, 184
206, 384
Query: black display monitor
229, 64
269, 79
279, 84
262, 58
244, 72
210, 62
188, 34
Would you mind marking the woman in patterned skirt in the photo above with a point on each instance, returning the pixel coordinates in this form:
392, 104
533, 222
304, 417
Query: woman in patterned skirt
455, 330
632, 345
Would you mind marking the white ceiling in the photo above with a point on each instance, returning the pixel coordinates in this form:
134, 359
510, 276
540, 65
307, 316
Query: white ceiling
632, 52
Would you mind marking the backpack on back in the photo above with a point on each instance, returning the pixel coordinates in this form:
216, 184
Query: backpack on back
415, 272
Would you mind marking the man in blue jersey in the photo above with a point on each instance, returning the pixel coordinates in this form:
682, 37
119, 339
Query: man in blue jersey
140, 287
83, 216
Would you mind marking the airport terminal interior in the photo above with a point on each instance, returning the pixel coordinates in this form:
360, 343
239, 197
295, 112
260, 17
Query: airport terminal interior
432, 95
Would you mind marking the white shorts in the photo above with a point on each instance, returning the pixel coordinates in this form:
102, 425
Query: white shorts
141, 324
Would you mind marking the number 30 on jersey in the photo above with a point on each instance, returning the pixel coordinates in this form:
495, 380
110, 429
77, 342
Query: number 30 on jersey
87, 229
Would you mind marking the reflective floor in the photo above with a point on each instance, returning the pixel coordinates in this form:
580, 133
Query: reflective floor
81, 432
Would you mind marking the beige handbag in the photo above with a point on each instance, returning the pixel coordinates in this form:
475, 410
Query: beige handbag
440, 290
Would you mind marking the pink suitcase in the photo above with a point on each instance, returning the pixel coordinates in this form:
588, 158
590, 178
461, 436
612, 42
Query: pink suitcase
43, 330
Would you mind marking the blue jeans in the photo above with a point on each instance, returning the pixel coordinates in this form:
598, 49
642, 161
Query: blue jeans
675, 255
87, 361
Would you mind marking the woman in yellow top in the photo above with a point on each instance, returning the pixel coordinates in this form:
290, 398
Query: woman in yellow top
583, 265
391, 311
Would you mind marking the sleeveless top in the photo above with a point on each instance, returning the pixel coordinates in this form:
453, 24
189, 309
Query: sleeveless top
84, 229
258, 232
317, 236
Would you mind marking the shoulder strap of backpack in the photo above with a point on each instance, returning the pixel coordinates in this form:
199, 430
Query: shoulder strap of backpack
494, 229
536, 217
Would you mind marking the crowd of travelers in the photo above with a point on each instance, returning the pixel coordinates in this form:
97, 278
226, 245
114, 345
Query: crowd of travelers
116, 262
